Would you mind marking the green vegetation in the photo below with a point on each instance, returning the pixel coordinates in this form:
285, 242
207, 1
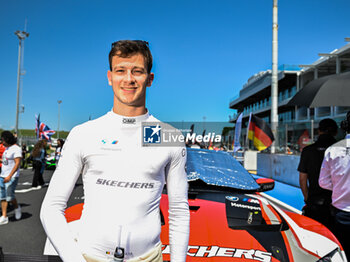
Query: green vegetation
63, 134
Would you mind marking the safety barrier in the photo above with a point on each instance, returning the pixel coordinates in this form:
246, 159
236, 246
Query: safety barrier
282, 168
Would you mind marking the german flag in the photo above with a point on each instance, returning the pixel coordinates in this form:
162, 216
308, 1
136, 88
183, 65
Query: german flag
260, 133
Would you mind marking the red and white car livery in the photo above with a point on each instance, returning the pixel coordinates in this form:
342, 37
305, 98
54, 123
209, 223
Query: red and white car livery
232, 220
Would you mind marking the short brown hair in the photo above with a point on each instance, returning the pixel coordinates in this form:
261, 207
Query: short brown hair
126, 48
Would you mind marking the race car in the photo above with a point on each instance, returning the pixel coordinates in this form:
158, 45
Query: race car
232, 220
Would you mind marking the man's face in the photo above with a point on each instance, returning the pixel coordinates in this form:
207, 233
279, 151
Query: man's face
129, 79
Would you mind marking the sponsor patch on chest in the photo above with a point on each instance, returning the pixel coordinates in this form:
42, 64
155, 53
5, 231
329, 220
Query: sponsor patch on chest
124, 184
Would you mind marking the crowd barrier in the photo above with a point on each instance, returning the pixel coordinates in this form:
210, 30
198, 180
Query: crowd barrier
282, 168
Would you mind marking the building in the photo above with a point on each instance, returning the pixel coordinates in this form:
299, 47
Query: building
255, 95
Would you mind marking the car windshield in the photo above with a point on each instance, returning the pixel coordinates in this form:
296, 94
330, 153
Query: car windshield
218, 169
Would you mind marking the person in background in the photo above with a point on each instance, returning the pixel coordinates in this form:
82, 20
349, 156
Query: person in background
2, 150
335, 176
39, 155
24, 153
60, 143
44, 159
195, 145
317, 199
11, 160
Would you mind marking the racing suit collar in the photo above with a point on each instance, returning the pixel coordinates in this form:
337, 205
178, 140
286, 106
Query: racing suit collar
129, 120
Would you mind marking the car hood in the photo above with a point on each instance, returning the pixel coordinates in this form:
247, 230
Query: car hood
246, 227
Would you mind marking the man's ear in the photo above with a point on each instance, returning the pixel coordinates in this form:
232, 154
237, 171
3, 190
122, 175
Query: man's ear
109, 76
150, 79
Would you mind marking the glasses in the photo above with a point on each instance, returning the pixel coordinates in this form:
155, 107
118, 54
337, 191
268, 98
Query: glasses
136, 41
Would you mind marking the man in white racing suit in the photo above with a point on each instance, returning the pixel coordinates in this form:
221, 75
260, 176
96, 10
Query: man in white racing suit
123, 180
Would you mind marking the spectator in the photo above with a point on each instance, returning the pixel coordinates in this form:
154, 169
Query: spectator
335, 176
2, 150
317, 200
39, 155
60, 143
24, 153
44, 159
195, 145
11, 161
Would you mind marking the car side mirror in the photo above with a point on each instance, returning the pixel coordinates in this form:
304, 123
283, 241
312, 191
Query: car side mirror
265, 184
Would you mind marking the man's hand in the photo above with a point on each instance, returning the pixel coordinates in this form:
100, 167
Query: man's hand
7, 179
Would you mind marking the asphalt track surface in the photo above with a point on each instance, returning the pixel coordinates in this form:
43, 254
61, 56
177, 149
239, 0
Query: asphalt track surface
27, 236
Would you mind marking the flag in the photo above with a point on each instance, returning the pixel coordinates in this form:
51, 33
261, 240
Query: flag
260, 133
42, 130
238, 128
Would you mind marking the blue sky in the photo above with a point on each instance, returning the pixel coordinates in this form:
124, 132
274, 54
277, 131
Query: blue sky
204, 51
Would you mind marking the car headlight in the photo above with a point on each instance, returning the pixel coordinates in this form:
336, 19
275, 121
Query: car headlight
333, 256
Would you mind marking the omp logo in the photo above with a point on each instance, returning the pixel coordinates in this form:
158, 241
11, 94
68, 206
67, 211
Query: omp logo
129, 121
216, 251
251, 200
232, 198
152, 134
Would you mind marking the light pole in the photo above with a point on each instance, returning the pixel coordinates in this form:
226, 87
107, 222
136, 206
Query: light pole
21, 36
274, 78
58, 124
